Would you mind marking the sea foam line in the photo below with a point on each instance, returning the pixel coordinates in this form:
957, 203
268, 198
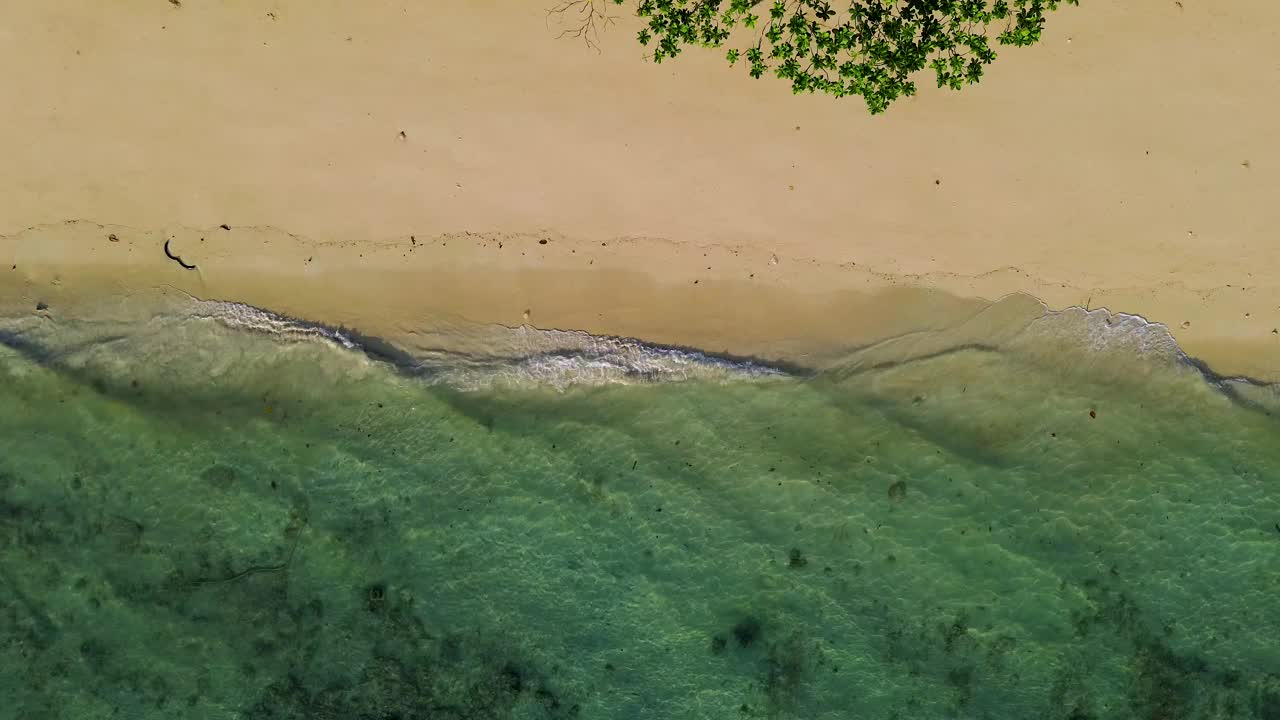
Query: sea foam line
523, 356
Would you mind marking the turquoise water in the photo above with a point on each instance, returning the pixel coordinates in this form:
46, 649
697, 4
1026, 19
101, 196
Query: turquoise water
208, 517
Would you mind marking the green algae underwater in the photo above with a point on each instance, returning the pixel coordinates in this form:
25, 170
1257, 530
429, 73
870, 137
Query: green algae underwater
226, 514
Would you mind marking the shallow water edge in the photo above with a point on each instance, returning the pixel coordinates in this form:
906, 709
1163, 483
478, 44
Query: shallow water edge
215, 510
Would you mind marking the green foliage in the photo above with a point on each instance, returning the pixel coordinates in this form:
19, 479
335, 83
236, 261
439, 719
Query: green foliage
870, 49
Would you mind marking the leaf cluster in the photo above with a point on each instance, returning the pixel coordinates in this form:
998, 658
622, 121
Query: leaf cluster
871, 48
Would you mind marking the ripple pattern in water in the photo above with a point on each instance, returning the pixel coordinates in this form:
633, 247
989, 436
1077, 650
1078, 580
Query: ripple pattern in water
201, 521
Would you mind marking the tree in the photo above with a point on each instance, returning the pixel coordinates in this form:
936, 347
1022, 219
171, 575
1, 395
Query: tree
870, 49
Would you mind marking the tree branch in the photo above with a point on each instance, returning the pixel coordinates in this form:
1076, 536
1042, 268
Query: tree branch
587, 18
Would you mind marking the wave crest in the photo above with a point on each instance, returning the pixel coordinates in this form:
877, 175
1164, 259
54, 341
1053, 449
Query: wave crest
509, 357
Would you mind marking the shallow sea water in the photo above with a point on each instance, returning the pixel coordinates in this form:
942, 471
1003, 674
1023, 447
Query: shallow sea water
218, 513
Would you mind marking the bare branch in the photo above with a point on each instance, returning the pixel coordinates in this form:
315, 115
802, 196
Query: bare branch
584, 19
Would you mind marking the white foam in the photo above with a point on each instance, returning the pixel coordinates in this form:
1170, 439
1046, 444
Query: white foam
1100, 330
248, 317
527, 356
477, 357
517, 357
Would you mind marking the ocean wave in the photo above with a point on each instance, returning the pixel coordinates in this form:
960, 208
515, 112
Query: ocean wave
1100, 330
1143, 345
1122, 346
508, 357
248, 317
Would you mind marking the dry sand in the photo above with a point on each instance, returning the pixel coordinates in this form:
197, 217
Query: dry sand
1129, 161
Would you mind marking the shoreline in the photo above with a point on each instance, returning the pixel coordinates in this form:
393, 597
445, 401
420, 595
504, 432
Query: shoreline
1134, 353
747, 304
414, 171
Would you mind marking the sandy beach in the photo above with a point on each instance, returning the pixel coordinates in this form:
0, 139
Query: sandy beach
381, 164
